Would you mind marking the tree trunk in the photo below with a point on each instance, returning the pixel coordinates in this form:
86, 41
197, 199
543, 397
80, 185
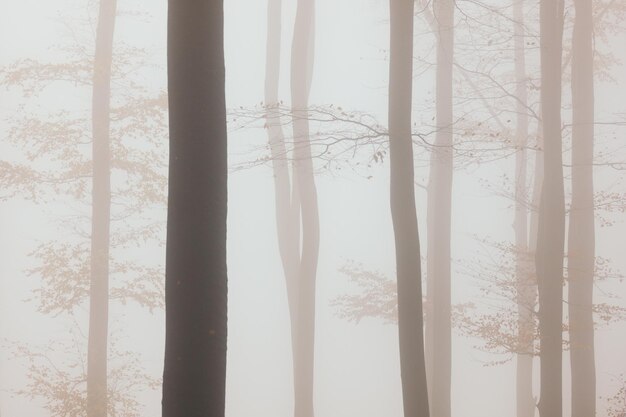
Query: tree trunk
439, 217
403, 212
551, 239
526, 293
581, 252
301, 75
196, 280
287, 212
97, 393
286, 195
532, 240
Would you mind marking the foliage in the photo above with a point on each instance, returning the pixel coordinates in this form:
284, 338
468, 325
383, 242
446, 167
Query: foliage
494, 320
616, 404
62, 384
56, 165
51, 163
377, 296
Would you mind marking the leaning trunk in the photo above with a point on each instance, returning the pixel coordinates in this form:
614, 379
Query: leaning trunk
194, 374
285, 195
301, 74
581, 247
439, 218
100, 221
551, 238
525, 282
403, 212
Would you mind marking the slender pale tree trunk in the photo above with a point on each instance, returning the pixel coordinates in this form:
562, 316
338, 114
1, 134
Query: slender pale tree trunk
525, 404
194, 374
551, 239
302, 52
439, 217
403, 212
97, 392
286, 195
536, 202
581, 247
526, 292
532, 244
287, 214
287, 211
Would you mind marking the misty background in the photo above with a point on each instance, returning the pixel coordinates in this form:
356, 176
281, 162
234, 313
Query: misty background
356, 365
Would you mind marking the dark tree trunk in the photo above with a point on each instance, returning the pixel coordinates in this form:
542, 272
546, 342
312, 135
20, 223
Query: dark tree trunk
403, 212
196, 279
97, 393
526, 287
439, 217
551, 238
581, 252
301, 74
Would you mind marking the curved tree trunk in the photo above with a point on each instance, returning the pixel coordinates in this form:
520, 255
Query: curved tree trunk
287, 209
403, 212
439, 218
581, 247
196, 281
301, 74
551, 238
286, 193
97, 393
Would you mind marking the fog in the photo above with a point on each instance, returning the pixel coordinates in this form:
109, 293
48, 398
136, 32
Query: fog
46, 65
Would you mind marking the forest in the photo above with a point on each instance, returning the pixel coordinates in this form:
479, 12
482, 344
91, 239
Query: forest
313, 208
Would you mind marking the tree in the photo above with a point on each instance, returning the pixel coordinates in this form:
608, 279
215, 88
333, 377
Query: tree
403, 212
295, 194
495, 93
439, 219
526, 286
196, 281
551, 229
302, 53
101, 214
80, 268
57, 374
581, 238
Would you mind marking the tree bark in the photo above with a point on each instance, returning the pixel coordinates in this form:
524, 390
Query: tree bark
532, 241
403, 212
286, 188
581, 245
439, 218
526, 290
97, 392
196, 279
302, 52
551, 239
285, 197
